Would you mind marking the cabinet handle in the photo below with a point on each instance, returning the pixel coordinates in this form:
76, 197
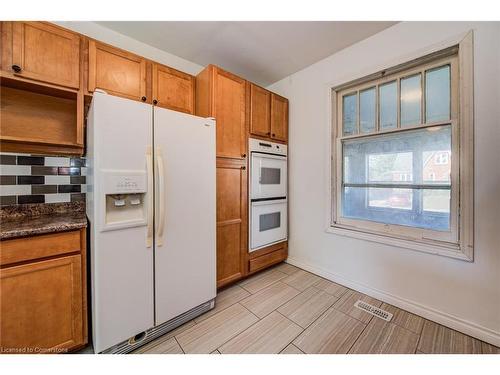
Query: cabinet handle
273, 135
16, 68
143, 98
155, 102
243, 155
268, 133
243, 167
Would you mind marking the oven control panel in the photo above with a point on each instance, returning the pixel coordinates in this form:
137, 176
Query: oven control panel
258, 145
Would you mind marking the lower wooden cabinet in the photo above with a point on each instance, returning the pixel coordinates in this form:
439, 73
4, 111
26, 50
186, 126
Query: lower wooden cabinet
231, 220
43, 293
267, 257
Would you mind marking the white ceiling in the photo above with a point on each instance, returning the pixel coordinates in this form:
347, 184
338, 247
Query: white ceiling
262, 52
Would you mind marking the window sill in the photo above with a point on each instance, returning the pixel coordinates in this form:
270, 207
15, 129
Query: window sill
430, 247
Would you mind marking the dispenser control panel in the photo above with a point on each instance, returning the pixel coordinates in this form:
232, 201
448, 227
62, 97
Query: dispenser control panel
126, 182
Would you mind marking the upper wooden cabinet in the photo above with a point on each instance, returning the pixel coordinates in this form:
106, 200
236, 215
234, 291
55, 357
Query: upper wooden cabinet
268, 114
173, 89
45, 53
117, 72
260, 111
222, 95
279, 118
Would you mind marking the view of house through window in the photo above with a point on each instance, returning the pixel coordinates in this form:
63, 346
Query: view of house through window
397, 152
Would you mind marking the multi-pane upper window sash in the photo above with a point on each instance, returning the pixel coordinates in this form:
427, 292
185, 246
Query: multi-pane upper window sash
391, 103
422, 97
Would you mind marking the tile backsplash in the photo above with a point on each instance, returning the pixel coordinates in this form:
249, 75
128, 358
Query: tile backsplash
41, 179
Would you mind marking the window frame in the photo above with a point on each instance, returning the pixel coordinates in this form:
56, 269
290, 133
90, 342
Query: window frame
458, 242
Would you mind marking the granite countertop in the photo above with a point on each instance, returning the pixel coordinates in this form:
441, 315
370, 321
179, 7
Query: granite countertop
32, 219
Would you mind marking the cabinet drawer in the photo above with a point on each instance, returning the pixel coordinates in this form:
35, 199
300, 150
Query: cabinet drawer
30, 248
267, 260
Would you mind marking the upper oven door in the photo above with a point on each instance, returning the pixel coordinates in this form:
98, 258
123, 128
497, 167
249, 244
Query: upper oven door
268, 176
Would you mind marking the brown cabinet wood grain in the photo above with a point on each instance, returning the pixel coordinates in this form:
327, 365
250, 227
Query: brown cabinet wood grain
222, 95
279, 118
231, 221
260, 111
173, 89
46, 53
43, 303
116, 71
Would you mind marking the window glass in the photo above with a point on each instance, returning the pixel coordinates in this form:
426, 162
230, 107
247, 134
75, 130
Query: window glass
437, 94
399, 178
395, 206
269, 221
367, 100
388, 107
349, 114
270, 176
411, 97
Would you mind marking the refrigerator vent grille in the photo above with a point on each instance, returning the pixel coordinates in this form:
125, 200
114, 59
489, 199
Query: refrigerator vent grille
153, 333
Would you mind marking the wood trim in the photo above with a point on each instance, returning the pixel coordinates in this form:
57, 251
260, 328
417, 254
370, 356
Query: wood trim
83, 252
466, 115
6, 45
92, 66
36, 247
21, 147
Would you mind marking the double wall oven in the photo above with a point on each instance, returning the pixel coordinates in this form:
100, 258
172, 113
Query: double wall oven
268, 193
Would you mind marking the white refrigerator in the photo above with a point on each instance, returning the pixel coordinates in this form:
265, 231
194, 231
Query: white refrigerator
151, 204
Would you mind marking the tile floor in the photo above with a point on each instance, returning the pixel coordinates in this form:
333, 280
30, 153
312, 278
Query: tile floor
290, 311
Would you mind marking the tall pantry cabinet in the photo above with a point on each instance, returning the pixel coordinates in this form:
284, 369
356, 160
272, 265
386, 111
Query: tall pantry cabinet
222, 95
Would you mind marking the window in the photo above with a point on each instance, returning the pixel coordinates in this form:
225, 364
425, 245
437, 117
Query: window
402, 160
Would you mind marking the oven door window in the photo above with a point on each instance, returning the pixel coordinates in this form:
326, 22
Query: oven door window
270, 176
269, 221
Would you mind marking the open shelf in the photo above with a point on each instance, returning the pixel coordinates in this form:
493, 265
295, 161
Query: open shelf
40, 118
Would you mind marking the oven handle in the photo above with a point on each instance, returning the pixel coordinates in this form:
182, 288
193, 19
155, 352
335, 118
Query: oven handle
266, 202
263, 155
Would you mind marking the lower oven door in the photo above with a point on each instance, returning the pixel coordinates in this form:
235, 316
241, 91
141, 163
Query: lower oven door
268, 223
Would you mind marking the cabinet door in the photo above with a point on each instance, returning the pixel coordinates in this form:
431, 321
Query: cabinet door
279, 118
229, 98
231, 221
42, 305
173, 89
46, 53
116, 71
260, 111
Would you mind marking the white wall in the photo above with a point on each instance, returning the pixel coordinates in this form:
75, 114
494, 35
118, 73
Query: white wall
462, 295
103, 34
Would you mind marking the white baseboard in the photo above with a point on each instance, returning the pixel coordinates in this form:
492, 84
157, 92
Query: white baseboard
453, 322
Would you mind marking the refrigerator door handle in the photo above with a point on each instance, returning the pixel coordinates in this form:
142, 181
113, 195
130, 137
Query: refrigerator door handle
161, 195
150, 212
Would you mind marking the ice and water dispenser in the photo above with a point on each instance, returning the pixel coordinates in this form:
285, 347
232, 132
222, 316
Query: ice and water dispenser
125, 199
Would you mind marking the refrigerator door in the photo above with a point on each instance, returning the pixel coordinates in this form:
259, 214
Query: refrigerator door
185, 233
119, 136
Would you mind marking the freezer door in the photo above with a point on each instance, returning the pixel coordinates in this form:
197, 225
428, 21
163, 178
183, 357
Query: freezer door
120, 133
185, 233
